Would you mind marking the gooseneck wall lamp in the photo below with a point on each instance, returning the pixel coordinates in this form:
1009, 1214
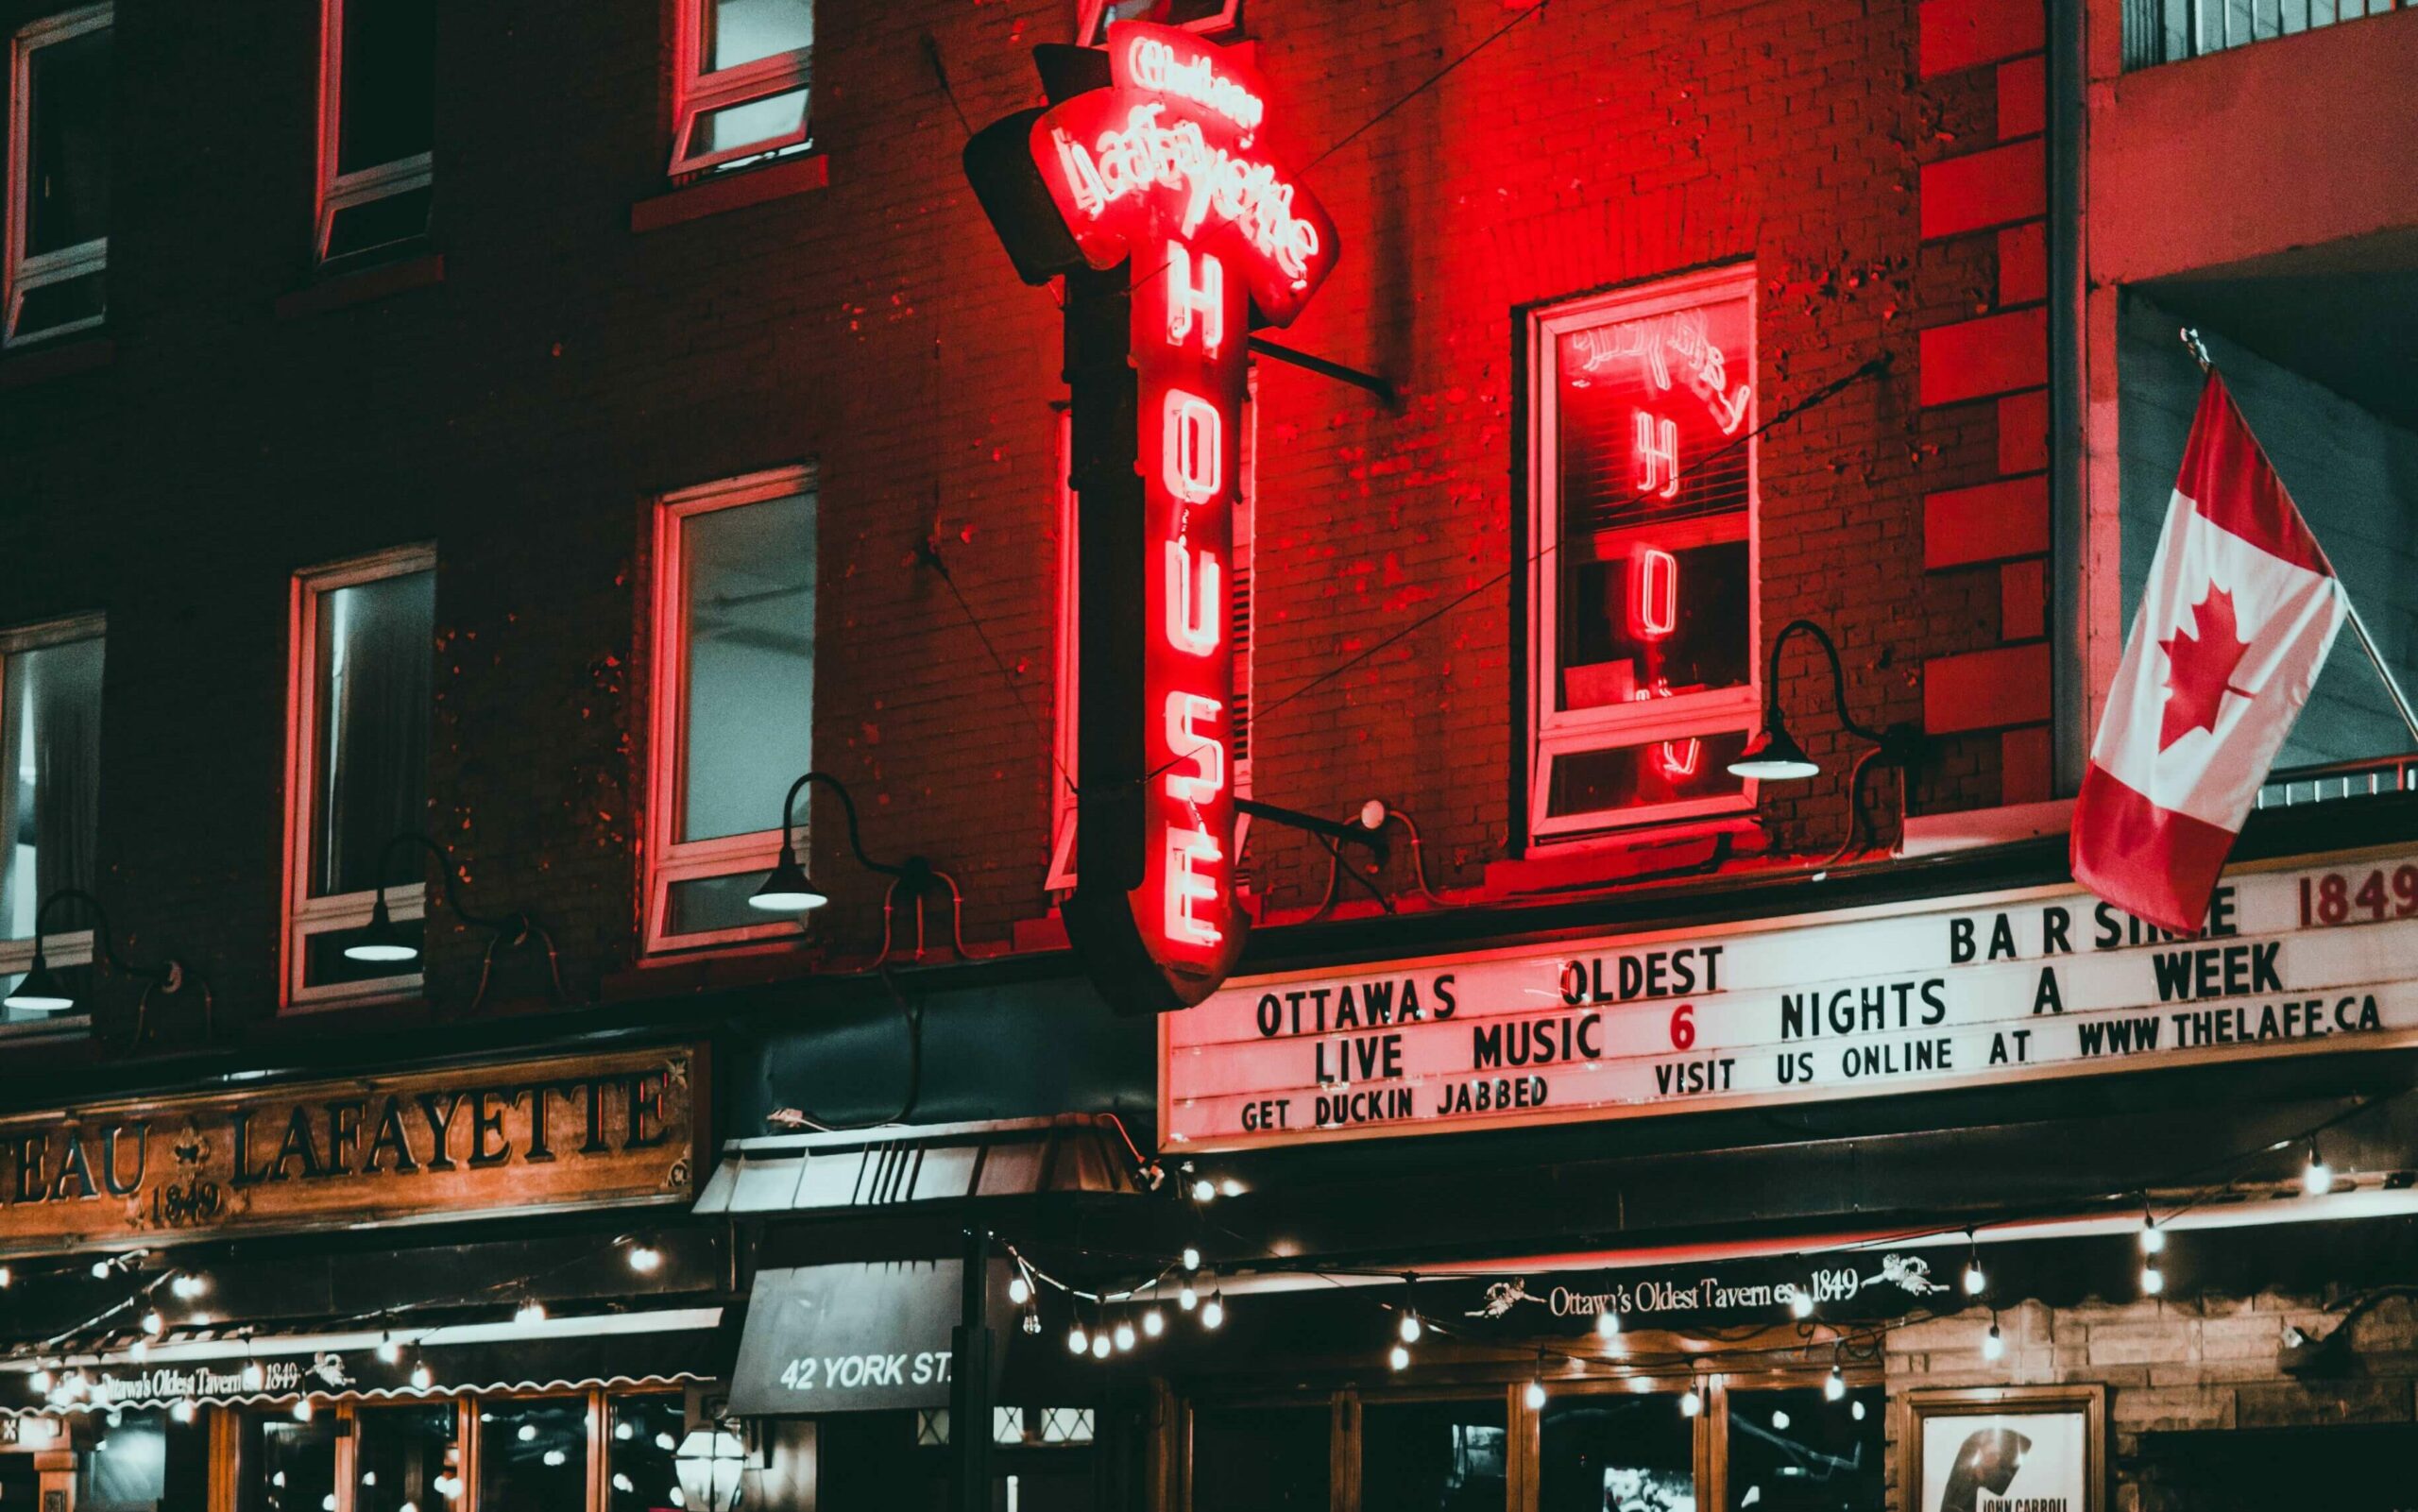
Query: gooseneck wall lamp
41, 990
382, 940
1775, 756
787, 888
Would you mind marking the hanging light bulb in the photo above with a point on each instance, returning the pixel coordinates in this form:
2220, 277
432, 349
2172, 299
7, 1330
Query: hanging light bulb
1020, 1289
180, 1411
7, 1277
1101, 1345
1228, 1187
1856, 1408
645, 1259
1976, 1281
1534, 1394
2152, 1237
1409, 1327
1834, 1386
1032, 1321
1078, 1342
139, 1349
1399, 1357
1212, 1311
532, 1312
1800, 1303
1191, 1257
253, 1378
1993, 1342
302, 1409
1154, 1322
101, 1269
40, 1381
1204, 1189
422, 1377
1608, 1324
1124, 1334
154, 1324
1188, 1298
188, 1285
2317, 1177
1689, 1403
2153, 1279
388, 1351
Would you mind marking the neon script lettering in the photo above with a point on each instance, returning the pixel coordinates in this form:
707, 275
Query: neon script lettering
1209, 180
1154, 66
1652, 342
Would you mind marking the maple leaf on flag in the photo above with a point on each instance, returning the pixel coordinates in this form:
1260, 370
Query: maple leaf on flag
2200, 668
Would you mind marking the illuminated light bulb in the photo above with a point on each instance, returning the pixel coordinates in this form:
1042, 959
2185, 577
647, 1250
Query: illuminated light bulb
528, 1432
327, 1502
1230, 1187
554, 1458
368, 1477
1399, 1357
1019, 1290
388, 1351
1993, 1342
302, 1409
1187, 1299
1154, 1323
532, 1310
1855, 1409
199, 1319
100, 1270
6, 1278
253, 1376
408, 1506
1202, 1190
2152, 1237
422, 1377
645, 1259
180, 1411
1976, 1280
188, 1285
1101, 1347
1800, 1304
677, 1500
1835, 1386
154, 1324
1124, 1335
1534, 1394
40, 1381
1191, 1257
1608, 1324
1032, 1321
1078, 1342
624, 1432
2317, 1177
2153, 1280
666, 1442
1212, 1311
1410, 1329
1780, 1422
139, 1349
624, 1484
1689, 1403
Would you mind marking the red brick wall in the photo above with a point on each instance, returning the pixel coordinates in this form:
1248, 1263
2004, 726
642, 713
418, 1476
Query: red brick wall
521, 413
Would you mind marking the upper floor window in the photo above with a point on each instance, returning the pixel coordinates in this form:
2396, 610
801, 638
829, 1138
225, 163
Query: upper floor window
377, 124
744, 68
735, 566
357, 765
2166, 31
1643, 575
50, 769
1210, 18
58, 210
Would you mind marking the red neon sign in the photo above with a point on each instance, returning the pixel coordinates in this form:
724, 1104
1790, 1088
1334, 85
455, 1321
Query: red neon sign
1163, 168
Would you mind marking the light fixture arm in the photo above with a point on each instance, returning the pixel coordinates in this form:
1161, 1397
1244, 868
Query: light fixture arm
166, 975
847, 807
516, 925
1773, 718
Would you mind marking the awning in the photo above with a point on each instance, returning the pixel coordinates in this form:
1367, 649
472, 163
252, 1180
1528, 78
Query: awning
885, 1168
664, 1348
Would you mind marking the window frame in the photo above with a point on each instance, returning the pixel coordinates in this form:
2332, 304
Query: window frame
699, 92
65, 947
21, 273
338, 191
1088, 13
307, 916
1552, 732
670, 860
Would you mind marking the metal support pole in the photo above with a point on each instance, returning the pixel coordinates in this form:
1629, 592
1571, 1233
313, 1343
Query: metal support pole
1382, 387
969, 1389
2384, 672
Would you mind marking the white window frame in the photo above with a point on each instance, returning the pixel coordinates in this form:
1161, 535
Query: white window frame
1240, 622
670, 859
26, 273
1554, 732
65, 947
701, 94
340, 192
1088, 14
307, 916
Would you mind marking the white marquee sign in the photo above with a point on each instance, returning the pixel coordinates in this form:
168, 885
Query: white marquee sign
2043, 982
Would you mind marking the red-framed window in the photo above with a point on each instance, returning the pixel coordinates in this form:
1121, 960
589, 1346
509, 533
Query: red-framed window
1210, 18
377, 126
744, 71
733, 688
51, 772
53, 279
1643, 569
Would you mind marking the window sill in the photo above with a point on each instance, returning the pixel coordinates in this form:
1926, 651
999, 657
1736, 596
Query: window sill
424, 271
712, 196
1977, 828
1651, 854
33, 365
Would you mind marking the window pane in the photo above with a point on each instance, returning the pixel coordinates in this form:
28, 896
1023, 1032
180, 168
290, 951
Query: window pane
299, 1465
646, 1434
324, 963
401, 1455
533, 1455
50, 738
768, 119
741, 31
127, 1468
376, 647
749, 597
50, 306
381, 222
715, 903
1650, 620
1260, 1459
1433, 1456
385, 100
67, 184
1635, 776
1610, 1450
1792, 1452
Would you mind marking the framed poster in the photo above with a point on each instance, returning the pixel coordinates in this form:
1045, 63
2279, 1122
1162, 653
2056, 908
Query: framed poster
2005, 1449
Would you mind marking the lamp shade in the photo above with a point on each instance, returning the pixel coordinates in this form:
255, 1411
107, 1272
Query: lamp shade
41, 991
1774, 757
381, 941
708, 1462
786, 889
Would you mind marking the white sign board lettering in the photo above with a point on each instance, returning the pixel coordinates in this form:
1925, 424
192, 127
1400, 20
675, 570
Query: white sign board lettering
2044, 982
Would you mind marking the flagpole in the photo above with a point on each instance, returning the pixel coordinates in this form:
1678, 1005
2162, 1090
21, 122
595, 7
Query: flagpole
2358, 627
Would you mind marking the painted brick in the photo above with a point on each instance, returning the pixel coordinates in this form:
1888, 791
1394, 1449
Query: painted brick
2023, 432
2023, 98
1978, 359
2296, 1403
2023, 600
1966, 33
2026, 775
1992, 187
2023, 262
2173, 1409
1986, 689
1986, 523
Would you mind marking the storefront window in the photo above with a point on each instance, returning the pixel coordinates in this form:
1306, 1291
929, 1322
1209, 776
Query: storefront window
1260, 1459
1433, 1456
1601, 1451
533, 1455
297, 1465
645, 1434
126, 1468
1797, 1452
404, 1458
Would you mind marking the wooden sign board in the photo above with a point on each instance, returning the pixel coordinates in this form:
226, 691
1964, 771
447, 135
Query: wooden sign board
543, 1135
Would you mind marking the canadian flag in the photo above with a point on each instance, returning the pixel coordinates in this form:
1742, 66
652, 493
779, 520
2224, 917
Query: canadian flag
2241, 610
